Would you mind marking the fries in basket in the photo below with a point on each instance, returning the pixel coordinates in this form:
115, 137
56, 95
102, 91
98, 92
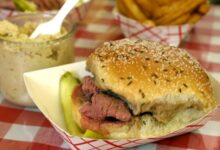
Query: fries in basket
164, 12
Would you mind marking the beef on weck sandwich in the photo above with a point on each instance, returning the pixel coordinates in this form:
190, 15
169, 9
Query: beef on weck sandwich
141, 89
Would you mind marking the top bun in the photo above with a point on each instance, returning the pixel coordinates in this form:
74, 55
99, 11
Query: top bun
152, 78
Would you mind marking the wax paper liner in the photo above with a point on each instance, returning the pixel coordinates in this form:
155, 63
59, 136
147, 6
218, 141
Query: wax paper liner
43, 87
172, 34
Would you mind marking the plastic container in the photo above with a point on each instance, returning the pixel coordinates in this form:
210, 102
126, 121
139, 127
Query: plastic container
19, 57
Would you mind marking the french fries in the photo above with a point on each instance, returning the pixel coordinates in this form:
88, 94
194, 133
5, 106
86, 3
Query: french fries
180, 20
164, 2
204, 8
194, 18
147, 6
149, 23
164, 12
131, 9
134, 9
175, 10
123, 10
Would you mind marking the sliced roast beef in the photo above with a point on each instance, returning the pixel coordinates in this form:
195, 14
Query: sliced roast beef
104, 106
100, 105
88, 86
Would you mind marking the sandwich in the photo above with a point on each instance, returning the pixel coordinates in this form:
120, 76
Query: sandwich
140, 89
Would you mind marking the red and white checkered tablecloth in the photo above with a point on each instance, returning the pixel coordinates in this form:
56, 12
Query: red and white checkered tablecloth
26, 128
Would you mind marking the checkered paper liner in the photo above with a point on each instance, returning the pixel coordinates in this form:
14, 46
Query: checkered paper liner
172, 35
76, 143
43, 87
78, 13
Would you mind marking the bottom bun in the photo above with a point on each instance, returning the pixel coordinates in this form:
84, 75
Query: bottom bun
148, 127
140, 127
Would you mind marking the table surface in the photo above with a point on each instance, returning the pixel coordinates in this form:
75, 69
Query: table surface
27, 128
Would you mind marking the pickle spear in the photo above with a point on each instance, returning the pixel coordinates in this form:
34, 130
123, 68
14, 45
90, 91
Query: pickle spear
25, 5
67, 84
91, 134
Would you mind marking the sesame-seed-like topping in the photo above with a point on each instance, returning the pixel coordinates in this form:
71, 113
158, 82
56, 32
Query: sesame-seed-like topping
129, 83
